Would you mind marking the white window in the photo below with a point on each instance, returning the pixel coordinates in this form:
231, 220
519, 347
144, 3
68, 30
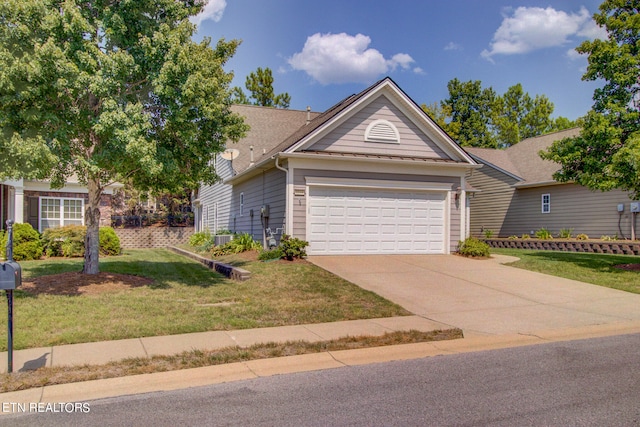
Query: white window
546, 203
241, 204
58, 212
382, 131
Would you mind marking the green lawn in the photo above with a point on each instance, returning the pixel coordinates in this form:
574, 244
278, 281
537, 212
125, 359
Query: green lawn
184, 297
598, 269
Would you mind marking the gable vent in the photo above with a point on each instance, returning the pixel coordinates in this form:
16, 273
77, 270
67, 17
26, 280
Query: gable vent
382, 131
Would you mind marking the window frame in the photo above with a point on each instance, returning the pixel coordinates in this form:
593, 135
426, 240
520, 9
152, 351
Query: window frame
545, 205
242, 204
61, 213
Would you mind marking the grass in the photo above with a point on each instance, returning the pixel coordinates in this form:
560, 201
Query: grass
598, 269
184, 297
198, 358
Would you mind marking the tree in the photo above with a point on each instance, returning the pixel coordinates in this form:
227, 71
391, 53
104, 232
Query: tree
471, 109
606, 154
478, 117
260, 86
109, 90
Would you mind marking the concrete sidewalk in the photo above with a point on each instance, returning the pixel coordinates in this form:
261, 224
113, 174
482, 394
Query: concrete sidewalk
98, 353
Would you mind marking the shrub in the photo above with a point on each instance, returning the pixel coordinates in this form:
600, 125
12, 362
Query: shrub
200, 238
525, 236
488, 234
606, 238
544, 234
275, 253
472, 247
514, 237
68, 241
240, 243
582, 237
565, 233
292, 247
109, 241
26, 243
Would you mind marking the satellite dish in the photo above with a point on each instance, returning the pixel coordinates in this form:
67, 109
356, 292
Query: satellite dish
230, 154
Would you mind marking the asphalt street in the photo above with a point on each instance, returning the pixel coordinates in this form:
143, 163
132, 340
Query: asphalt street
593, 382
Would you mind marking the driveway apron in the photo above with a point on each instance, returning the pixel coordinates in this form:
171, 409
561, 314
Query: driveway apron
483, 297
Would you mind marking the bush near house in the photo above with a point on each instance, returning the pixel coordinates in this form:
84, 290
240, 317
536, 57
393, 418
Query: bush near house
26, 243
68, 241
472, 247
292, 247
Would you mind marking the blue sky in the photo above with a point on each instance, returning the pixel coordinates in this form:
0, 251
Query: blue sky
322, 52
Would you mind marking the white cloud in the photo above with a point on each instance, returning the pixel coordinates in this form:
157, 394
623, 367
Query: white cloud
452, 46
573, 55
592, 31
532, 28
213, 10
342, 58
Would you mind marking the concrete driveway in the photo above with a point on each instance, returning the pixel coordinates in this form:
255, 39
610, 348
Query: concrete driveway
484, 297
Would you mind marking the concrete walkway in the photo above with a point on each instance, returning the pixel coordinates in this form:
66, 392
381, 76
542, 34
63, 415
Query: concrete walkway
496, 306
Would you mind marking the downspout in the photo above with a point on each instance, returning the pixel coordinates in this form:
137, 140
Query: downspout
287, 199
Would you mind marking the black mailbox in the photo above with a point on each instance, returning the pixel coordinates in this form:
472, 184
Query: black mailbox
10, 275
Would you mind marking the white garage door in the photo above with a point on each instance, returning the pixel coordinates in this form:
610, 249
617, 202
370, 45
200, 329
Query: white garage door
371, 221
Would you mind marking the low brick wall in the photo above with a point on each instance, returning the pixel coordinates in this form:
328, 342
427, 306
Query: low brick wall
153, 237
592, 246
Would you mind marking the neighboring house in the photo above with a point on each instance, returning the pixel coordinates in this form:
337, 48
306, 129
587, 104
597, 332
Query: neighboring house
518, 195
42, 207
373, 174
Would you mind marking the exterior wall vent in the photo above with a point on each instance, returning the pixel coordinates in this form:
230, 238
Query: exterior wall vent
382, 131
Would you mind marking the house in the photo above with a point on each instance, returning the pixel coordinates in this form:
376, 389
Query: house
41, 206
518, 195
372, 174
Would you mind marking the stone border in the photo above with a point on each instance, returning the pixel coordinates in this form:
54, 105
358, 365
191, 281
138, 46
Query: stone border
230, 271
590, 246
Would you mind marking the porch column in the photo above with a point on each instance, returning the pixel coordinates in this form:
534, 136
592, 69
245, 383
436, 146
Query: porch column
18, 205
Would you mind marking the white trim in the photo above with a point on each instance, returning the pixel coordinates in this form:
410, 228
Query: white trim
547, 203
377, 184
61, 219
241, 210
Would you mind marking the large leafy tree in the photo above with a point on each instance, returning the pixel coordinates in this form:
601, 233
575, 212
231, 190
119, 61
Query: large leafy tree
606, 154
477, 116
109, 90
471, 109
260, 86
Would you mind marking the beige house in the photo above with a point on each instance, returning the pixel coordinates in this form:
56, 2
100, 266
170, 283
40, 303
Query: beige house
373, 174
518, 195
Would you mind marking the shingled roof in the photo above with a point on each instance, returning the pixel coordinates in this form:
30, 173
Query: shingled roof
522, 160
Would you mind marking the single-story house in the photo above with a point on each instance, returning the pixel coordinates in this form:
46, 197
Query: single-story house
371, 175
36, 203
518, 195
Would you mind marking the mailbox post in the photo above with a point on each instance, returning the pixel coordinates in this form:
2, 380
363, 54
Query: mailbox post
10, 278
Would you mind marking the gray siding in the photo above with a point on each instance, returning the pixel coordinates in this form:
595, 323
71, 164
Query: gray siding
268, 188
218, 193
490, 205
300, 207
572, 206
349, 136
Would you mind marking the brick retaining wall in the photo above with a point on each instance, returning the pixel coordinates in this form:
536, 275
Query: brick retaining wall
153, 237
620, 247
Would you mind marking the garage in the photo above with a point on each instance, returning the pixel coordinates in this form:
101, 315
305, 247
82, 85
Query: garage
352, 220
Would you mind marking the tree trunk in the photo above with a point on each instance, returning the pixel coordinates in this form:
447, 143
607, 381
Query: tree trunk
92, 221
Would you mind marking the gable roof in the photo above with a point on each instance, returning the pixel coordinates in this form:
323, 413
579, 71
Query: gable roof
277, 131
522, 161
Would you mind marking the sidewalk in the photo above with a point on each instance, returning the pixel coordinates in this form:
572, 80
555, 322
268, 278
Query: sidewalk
98, 353
102, 352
